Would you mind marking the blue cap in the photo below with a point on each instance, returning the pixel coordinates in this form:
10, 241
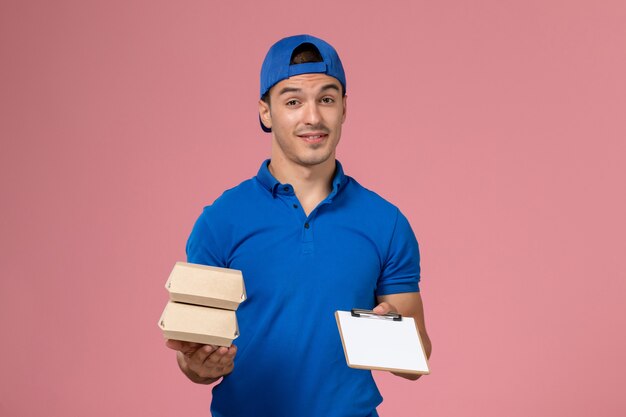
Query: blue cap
276, 66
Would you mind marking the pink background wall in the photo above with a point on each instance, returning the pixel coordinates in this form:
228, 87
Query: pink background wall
498, 128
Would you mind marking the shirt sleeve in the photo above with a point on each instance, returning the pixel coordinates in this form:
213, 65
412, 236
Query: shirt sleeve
203, 244
401, 270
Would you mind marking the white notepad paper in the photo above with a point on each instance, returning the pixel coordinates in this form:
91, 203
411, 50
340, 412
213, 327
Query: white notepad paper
376, 343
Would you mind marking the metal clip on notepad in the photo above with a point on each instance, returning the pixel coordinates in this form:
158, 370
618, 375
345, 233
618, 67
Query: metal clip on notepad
358, 312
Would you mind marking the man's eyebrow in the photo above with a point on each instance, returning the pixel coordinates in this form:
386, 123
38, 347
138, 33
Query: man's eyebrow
330, 87
289, 90
286, 90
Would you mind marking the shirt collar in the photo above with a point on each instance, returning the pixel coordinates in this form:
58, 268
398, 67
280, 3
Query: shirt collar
271, 184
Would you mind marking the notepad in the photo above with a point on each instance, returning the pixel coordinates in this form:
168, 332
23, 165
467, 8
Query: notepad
383, 344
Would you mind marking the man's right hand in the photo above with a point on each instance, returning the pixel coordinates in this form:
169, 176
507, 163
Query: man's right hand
203, 364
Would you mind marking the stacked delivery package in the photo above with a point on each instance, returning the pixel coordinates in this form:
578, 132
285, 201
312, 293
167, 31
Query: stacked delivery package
202, 305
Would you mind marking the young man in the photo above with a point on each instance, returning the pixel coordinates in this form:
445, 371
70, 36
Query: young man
309, 240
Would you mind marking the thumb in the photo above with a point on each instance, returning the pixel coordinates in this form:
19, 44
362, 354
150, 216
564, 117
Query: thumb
383, 308
174, 344
181, 346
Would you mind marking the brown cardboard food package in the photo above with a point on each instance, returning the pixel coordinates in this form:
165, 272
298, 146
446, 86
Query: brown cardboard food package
208, 286
191, 323
202, 305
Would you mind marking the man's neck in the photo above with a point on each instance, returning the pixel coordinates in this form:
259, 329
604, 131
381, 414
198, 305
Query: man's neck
312, 184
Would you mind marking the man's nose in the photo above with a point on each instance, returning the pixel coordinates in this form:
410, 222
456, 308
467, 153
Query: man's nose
312, 114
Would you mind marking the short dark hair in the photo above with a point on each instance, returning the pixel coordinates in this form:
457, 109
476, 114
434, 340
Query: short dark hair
305, 53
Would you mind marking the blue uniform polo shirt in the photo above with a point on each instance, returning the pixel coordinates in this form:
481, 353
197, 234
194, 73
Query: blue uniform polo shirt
298, 270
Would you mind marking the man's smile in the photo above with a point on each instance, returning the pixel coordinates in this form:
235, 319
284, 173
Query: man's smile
313, 137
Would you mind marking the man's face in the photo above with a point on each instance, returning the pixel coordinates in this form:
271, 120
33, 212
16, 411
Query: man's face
305, 113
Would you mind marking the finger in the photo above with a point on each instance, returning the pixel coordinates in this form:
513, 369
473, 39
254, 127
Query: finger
214, 364
173, 344
216, 357
182, 346
222, 358
382, 308
194, 347
226, 362
228, 358
219, 363
201, 354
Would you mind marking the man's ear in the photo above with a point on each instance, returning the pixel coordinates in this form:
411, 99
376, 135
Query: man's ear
345, 108
265, 114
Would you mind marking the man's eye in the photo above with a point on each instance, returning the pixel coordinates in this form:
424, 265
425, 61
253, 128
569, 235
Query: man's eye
292, 102
328, 100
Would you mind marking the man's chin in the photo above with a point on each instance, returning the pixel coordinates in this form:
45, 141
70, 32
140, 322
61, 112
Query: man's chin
314, 161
